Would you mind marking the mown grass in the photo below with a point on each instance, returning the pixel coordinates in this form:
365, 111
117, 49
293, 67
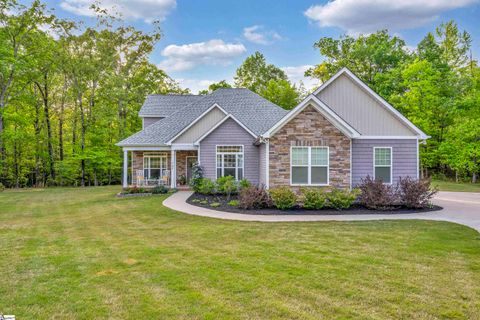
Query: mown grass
456, 186
83, 254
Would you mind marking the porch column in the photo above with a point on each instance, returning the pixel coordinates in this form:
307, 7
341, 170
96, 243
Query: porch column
125, 168
173, 169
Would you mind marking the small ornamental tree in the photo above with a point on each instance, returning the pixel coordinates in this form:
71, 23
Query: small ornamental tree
197, 176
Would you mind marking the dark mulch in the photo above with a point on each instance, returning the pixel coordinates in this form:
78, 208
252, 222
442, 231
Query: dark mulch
355, 209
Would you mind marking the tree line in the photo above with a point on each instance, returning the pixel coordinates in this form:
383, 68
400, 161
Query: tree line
68, 93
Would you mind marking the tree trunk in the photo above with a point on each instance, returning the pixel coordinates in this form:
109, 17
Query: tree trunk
37, 128
95, 181
60, 121
82, 136
474, 177
46, 109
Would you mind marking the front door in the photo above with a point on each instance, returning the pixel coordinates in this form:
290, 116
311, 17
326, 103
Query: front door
190, 162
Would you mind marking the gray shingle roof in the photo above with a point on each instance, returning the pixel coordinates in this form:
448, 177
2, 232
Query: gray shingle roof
164, 105
253, 111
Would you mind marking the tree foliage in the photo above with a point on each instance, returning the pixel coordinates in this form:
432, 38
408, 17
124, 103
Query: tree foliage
255, 73
215, 86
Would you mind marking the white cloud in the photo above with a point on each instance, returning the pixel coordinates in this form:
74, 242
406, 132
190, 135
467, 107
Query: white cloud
147, 10
258, 34
188, 56
366, 16
195, 85
296, 74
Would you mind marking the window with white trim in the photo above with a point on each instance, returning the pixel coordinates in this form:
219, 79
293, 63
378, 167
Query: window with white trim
230, 161
309, 165
383, 164
154, 166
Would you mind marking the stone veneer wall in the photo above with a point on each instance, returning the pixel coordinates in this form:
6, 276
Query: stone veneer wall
309, 128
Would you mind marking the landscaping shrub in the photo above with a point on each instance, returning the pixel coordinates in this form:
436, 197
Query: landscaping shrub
159, 190
233, 203
254, 197
227, 186
341, 199
244, 183
215, 204
313, 198
415, 193
283, 198
206, 186
134, 190
376, 195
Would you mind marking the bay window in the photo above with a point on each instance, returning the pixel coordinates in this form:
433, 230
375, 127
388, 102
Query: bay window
309, 165
230, 161
382, 164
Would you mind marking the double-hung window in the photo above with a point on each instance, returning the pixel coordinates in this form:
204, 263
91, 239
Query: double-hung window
154, 166
230, 161
383, 164
309, 166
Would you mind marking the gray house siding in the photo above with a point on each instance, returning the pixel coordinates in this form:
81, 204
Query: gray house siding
357, 107
147, 121
230, 133
404, 157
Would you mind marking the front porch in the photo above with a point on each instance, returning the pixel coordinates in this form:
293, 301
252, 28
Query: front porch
172, 168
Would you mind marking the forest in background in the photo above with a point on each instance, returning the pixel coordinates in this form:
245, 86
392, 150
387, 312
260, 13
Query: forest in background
68, 93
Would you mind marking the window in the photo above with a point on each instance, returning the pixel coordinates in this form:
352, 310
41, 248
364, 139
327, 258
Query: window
383, 164
230, 161
309, 165
154, 166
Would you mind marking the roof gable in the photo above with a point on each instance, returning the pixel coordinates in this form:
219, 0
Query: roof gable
323, 109
363, 108
200, 125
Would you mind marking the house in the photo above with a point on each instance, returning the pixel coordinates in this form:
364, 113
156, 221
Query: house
336, 136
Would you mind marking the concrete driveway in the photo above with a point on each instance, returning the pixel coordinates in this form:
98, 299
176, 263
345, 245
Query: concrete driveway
459, 207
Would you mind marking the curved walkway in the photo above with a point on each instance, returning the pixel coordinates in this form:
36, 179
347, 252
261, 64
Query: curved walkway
459, 207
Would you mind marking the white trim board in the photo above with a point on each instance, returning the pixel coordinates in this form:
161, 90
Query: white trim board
321, 107
387, 137
147, 148
376, 96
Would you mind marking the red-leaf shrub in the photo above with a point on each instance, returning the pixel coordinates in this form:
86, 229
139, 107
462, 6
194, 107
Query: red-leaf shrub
253, 197
415, 193
377, 195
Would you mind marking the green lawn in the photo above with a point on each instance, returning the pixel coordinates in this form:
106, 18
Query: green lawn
454, 186
83, 254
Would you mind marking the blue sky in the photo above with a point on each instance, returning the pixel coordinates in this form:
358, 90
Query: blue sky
205, 41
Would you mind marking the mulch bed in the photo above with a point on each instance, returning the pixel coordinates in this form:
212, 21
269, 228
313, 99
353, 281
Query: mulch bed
355, 209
